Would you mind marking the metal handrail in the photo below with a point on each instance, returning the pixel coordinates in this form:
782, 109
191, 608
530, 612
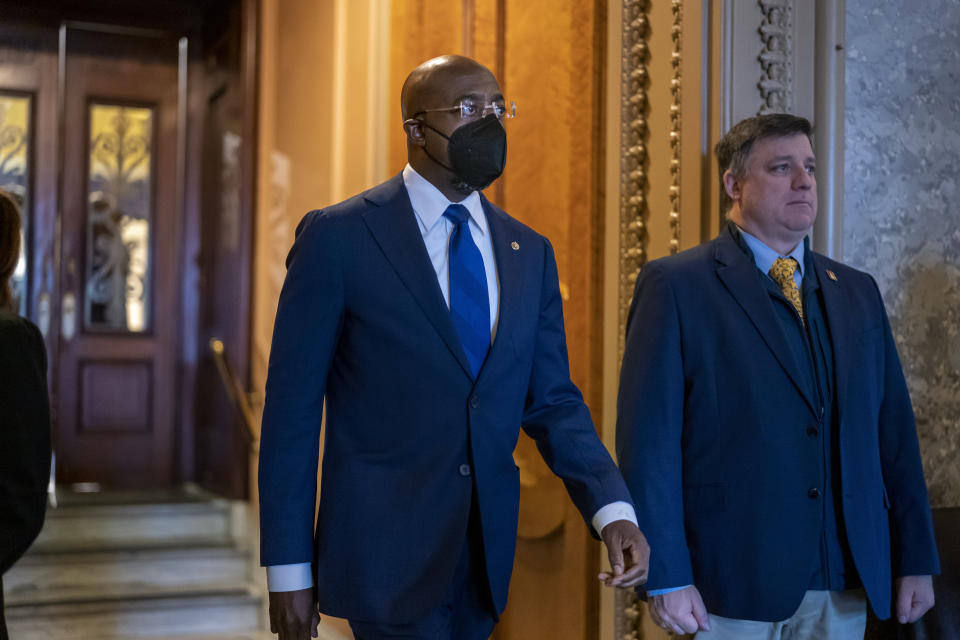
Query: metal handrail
235, 391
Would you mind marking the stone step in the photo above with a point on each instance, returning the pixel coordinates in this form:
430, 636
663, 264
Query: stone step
113, 565
133, 613
110, 526
183, 565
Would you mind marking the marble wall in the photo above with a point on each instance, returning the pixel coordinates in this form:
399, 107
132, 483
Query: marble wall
901, 215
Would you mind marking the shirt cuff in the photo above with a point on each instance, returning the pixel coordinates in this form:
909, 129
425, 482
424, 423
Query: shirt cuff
289, 577
660, 592
611, 513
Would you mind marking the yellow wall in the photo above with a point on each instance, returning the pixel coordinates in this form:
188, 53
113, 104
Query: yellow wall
322, 122
323, 69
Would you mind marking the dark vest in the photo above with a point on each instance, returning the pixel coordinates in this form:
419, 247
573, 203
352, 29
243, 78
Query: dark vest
812, 352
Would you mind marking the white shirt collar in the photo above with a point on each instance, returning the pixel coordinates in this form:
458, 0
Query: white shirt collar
429, 204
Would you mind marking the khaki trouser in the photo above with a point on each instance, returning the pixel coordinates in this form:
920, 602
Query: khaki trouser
822, 615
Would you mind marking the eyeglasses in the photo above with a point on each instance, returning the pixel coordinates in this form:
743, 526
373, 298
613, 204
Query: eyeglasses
469, 109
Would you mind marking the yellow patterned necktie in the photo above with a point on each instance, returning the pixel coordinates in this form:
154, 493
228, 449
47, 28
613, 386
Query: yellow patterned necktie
782, 273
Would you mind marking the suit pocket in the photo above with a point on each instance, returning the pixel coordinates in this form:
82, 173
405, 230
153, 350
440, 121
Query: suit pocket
704, 498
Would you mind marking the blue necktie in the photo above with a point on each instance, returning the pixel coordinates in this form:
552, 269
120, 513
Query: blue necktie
469, 300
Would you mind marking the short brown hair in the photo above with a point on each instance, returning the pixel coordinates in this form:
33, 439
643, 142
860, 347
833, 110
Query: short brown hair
734, 147
9, 246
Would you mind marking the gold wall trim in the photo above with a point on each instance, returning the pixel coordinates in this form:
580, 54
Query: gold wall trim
676, 59
634, 189
629, 623
634, 78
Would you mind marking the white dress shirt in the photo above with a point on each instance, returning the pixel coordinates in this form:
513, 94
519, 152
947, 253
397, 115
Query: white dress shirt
428, 206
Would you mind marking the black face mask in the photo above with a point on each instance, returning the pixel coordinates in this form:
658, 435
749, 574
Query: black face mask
477, 151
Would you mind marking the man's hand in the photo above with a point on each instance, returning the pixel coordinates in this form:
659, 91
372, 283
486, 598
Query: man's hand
914, 597
625, 542
680, 611
293, 614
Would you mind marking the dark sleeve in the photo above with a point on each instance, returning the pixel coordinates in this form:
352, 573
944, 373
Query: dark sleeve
556, 417
911, 525
24, 438
650, 425
305, 334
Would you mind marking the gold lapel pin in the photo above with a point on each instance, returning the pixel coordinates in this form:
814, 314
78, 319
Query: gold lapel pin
516, 247
831, 275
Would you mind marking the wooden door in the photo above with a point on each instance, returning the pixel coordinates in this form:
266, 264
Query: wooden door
127, 268
136, 252
121, 199
222, 438
28, 161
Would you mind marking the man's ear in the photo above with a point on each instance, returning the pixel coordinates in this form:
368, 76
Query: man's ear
731, 185
414, 131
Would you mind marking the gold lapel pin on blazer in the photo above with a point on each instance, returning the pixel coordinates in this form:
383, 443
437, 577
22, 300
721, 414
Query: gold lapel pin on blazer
831, 275
516, 247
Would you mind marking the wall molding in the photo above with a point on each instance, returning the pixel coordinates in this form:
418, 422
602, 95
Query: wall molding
629, 616
766, 58
828, 120
634, 188
776, 57
676, 85
634, 133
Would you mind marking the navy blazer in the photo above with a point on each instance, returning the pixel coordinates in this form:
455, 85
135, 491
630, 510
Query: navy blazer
24, 436
24, 440
362, 324
712, 436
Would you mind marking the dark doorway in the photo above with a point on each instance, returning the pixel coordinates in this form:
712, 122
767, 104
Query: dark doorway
109, 116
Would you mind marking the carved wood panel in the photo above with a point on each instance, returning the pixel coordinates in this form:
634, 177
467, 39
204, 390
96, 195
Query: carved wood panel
116, 396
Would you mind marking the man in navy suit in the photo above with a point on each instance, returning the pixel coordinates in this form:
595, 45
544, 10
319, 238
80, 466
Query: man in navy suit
764, 426
429, 325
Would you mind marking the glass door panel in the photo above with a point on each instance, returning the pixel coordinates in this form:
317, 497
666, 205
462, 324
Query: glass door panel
15, 137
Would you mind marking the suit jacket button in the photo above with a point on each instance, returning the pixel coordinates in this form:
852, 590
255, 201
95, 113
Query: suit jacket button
465, 470
814, 492
474, 402
812, 431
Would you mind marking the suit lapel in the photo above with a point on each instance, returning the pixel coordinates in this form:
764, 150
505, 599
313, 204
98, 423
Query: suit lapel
394, 226
837, 321
739, 275
509, 275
